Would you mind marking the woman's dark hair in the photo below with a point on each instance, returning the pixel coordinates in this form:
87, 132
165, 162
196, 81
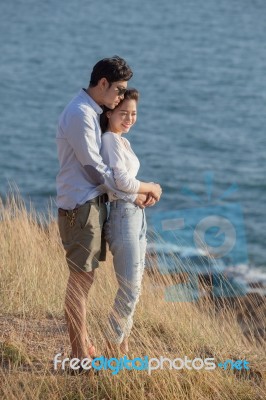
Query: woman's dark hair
130, 94
114, 69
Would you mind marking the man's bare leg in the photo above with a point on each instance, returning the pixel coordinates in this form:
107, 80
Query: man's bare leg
77, 291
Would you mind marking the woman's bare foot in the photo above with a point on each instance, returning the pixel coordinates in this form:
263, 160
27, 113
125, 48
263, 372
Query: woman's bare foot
124, 346
111, 350
115, 350
91, 352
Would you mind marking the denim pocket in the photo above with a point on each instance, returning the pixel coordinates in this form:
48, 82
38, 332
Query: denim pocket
129, 212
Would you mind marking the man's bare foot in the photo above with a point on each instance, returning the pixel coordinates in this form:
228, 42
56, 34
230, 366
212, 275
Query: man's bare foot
92, 351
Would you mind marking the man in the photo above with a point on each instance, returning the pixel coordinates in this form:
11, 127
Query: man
82, 180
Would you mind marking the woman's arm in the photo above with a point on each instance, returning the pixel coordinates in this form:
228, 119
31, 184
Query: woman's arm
154, 189
112, 152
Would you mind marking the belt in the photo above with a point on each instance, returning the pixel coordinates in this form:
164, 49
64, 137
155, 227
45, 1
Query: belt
97, 200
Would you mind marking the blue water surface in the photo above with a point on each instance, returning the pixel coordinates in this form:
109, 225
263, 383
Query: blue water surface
200, 67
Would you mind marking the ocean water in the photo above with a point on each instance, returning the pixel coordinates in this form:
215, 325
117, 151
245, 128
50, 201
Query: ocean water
200, 67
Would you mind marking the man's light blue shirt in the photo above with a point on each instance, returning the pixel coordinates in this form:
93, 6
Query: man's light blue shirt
82, 175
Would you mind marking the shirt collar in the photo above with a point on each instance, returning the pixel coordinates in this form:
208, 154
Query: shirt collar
90, 100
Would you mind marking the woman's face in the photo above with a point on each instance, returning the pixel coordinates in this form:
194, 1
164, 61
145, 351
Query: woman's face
122, 117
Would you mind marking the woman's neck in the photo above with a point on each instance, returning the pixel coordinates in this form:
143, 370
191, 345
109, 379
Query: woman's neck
117, 133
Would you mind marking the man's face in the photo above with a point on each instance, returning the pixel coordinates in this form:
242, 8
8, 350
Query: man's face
112, 95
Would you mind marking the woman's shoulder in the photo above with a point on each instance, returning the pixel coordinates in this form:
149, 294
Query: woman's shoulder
127, 141
110, 135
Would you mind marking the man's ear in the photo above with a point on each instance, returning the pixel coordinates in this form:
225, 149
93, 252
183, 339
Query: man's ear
103, 83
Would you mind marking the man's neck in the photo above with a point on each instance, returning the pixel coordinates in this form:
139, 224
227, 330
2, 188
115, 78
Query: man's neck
93, 94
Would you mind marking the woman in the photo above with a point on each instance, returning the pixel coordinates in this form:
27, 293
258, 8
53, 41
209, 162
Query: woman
125, 229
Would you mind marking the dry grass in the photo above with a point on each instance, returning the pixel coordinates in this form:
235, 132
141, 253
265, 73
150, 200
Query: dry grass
33, 330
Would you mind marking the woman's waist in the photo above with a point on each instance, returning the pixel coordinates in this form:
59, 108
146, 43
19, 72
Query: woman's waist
122, 204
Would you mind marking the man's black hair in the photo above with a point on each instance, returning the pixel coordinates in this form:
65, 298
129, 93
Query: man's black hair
114, 69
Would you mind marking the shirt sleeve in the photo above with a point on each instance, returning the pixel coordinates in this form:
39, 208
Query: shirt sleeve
113, 154
81, 135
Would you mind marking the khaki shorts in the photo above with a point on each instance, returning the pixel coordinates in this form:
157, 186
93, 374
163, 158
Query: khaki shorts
82, 236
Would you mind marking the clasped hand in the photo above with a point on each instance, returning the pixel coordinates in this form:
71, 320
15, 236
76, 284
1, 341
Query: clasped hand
149, 199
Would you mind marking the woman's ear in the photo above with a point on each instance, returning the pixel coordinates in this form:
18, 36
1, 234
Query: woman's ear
108, 114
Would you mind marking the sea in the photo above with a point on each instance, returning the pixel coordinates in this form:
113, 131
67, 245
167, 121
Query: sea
200, 68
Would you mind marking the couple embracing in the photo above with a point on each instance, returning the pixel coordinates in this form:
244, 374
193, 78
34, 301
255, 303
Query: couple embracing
98, 166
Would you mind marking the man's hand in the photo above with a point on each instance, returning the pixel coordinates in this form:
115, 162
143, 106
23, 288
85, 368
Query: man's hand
141, 200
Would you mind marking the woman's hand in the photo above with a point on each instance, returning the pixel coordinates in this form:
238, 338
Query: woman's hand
150, 201
156, 191
141, 200
151, 188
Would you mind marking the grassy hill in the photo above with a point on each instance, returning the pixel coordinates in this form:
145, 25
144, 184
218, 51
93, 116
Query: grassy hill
33, 330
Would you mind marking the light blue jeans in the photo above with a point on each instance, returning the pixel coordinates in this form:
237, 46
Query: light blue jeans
125, 232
